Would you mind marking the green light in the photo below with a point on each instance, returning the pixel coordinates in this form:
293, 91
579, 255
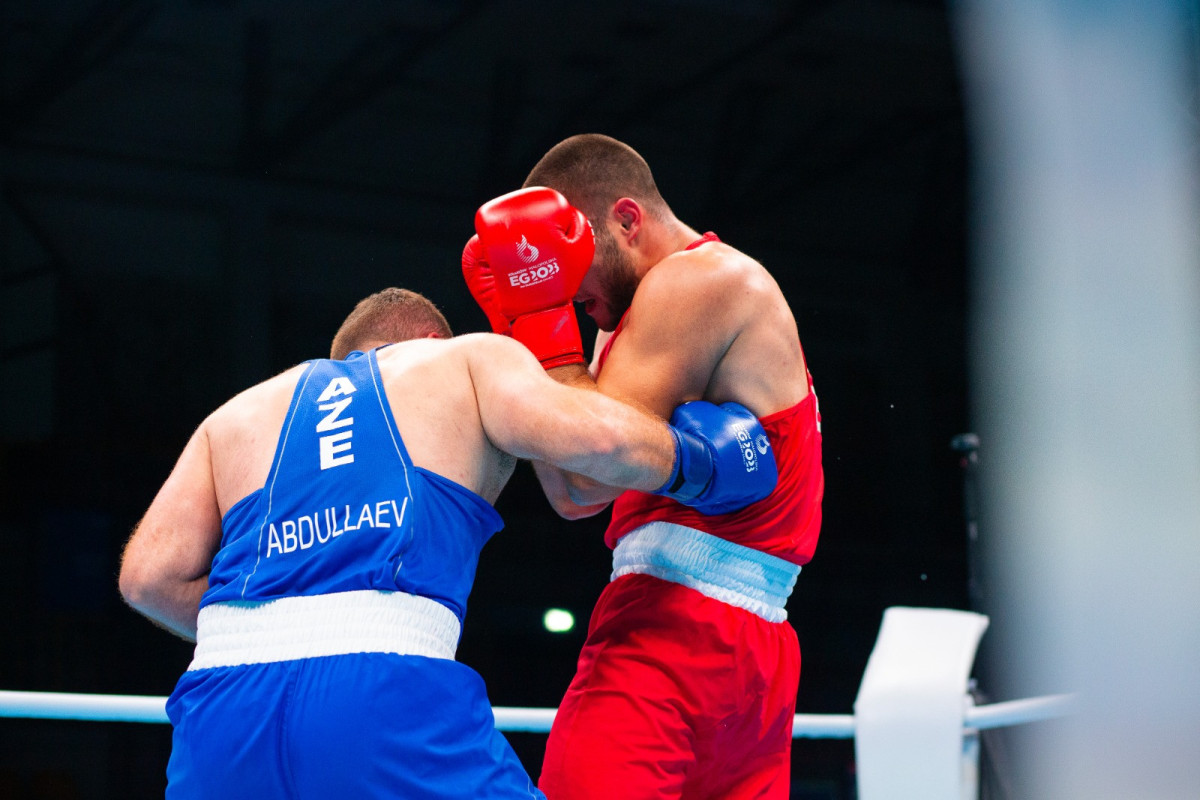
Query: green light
558, 620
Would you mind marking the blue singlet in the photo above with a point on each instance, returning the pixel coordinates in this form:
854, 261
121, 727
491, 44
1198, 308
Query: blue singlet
344, 513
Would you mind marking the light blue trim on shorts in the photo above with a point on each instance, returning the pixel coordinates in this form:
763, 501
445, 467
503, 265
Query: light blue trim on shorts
732, 573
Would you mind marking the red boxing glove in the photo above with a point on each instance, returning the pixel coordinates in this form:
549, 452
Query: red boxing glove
478, 274
539, 247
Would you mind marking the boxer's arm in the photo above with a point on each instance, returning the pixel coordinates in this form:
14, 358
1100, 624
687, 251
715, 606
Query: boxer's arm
685, 315
164, 570
687, 312
562, 488
527, 414
554, 485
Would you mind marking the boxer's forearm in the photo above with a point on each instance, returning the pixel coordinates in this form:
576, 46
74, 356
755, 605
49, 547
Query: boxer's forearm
615, 446
582, 492
530, 416
172, 605
166, 562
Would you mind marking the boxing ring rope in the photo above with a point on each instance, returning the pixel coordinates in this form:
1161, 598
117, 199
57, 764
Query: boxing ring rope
915, 726
143, 708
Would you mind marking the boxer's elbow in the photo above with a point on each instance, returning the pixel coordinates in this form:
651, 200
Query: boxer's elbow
586, 493
570, 510
137, 584
133, 588
555, 485
142, 581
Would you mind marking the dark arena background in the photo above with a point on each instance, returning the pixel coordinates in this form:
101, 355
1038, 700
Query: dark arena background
195, 193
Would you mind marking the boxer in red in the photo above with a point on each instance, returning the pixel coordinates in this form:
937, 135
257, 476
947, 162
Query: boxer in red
686, 686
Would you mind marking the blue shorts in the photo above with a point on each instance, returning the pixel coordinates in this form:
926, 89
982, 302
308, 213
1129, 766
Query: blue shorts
366, 725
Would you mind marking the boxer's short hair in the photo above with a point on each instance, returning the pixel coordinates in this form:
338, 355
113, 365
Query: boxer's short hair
593, 171
392, 315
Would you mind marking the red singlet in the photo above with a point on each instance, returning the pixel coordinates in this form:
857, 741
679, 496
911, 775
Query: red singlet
678, 694
787, 522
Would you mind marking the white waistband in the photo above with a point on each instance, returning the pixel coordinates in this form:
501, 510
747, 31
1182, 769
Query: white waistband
722, 570
289, 628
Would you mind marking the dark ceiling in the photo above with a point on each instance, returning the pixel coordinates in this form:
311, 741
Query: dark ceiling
196, 193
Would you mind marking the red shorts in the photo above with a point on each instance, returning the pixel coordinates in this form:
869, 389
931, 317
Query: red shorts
676, 695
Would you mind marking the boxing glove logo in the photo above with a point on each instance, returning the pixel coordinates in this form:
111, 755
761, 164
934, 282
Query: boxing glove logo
530, 276
526, 252
749, 458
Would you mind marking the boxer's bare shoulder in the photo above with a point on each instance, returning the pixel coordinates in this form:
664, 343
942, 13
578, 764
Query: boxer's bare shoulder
708, 323
243, 433
434, 403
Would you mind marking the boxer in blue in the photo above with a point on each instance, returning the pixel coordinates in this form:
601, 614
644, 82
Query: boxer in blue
318, 539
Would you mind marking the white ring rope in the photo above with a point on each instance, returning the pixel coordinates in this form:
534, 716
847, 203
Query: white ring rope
142, 708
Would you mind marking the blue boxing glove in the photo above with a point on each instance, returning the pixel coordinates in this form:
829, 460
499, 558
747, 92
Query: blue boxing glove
723, 459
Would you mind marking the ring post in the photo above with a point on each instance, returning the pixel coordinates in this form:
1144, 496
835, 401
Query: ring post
909, 742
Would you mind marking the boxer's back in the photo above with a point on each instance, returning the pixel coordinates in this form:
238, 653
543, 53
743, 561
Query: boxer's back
432, 400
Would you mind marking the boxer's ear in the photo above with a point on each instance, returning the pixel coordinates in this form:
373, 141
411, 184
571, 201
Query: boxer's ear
628, 214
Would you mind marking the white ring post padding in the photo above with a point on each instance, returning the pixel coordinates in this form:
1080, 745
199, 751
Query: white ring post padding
141, 708
911, 706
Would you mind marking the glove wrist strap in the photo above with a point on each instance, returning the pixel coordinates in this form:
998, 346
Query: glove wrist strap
692, 471
552, 335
